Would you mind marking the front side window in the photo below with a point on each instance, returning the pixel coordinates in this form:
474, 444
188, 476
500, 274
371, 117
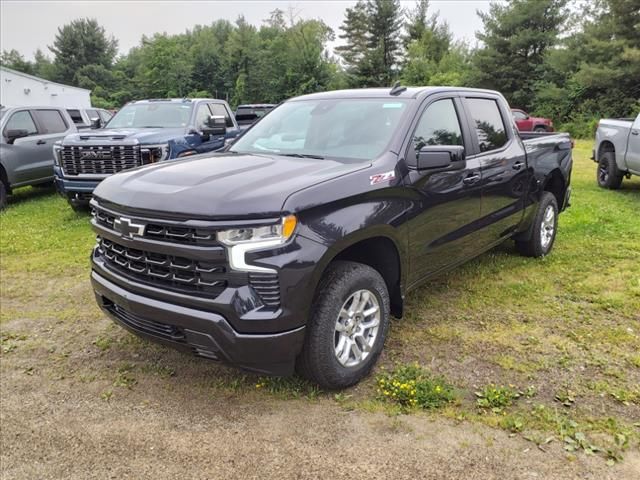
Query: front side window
344, 128
220, 110
202, 115
153, 115
519, 115
104, 115
490, 128
439, 125
92, 114
51, 121
22, 121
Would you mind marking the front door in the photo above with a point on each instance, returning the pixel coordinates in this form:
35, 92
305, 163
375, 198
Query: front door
30, 150
502, 160
445, 202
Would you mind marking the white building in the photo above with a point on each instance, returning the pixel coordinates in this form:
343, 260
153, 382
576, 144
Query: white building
18, 89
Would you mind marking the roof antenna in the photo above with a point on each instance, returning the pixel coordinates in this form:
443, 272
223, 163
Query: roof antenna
397, 89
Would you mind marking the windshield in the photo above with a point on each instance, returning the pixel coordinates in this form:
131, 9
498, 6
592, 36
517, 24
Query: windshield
351, 128
152, 115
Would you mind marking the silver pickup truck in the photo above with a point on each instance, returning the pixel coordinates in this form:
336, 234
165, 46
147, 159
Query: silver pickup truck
617, 150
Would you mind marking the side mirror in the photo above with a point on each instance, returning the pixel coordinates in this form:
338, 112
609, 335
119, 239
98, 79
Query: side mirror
13, 135
216, 125
96, 122
440, 156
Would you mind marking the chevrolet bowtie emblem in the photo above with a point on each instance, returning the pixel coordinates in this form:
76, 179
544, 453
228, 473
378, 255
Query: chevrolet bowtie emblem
127, 228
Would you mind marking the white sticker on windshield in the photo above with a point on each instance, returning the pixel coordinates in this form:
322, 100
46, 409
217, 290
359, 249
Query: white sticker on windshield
392, 105
382, 177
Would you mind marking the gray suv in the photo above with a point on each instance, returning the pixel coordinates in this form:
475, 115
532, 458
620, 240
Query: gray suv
26, 147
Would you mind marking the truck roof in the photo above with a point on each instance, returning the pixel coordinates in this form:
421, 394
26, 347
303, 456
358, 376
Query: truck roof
403, 92
175, 100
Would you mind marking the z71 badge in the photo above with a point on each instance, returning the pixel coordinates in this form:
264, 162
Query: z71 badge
382, 177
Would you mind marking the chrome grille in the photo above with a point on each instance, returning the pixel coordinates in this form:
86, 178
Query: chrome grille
176, 273
99, 160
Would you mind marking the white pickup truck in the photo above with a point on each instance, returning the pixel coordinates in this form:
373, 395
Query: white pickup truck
617, 150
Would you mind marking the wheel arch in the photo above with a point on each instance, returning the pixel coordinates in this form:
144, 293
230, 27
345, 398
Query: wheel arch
556, 184
376, 249
604, 147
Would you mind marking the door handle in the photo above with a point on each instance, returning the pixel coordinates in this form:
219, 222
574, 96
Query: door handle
41, 142
635, 132
517, 165
471, 179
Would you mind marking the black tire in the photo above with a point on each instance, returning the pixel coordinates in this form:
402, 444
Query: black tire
3, 195
540, 129
79, 207
608, 174
318, 361
538, 244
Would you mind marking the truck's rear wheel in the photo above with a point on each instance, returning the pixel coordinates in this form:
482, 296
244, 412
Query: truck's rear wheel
540, 129
542, 234
608, 174
348, 326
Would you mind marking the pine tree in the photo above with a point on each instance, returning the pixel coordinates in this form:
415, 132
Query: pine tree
80, 43
516, 36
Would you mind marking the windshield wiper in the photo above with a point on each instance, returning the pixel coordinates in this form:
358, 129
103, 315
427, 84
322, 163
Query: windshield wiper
302, 155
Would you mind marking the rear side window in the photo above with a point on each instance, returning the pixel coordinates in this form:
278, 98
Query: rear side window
439, 125
51, 121
218, 109
21, 121
76, 117
490, 128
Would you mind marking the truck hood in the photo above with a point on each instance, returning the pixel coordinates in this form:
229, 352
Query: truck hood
143, 136
220, 186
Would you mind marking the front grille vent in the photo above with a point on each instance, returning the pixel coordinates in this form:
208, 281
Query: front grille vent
267, 287
99, 160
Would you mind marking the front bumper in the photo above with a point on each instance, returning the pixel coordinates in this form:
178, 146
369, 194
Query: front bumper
200, 332
73, 188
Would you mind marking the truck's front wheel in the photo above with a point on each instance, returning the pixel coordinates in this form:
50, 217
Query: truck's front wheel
348, 326
608, 174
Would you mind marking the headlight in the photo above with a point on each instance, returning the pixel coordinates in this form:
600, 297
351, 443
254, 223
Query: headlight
243, 240
57, 149
154, 153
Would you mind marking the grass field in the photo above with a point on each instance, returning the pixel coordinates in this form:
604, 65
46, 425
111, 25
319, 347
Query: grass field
558, 338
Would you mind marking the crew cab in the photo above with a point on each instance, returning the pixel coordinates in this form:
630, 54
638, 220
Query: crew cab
141, 133
294, 246
26, 147
527, 123
617, 150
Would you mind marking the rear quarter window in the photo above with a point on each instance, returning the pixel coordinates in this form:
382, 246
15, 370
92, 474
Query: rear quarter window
76, 116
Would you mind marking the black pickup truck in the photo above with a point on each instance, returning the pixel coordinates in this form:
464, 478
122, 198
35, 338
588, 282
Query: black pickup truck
294, 246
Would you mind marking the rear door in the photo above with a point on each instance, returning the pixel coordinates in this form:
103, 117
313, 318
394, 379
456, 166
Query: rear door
445, 202
632, 157
501, 157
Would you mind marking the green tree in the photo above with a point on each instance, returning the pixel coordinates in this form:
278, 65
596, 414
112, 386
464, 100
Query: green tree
14, 60
80, 43
516, 36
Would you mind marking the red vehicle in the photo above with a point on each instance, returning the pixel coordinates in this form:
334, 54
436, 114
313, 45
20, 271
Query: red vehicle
527, 123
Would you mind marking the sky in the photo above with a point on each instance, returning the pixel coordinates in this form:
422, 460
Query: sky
28, 25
